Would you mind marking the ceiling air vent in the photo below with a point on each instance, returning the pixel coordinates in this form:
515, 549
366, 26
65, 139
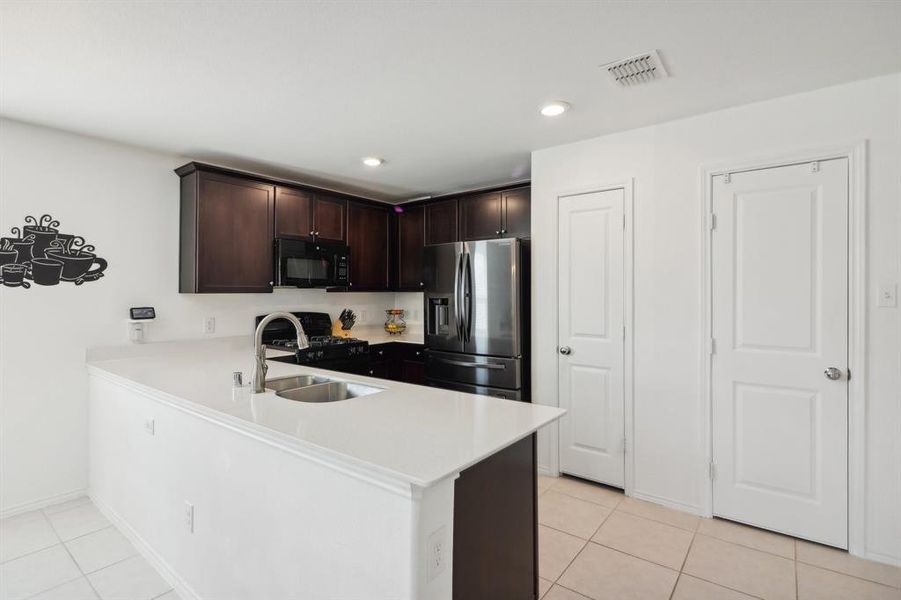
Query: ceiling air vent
642, 68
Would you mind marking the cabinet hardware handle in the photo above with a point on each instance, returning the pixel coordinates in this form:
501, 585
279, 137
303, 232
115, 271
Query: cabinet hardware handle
312, 233
498, 232
565, 350
503, 231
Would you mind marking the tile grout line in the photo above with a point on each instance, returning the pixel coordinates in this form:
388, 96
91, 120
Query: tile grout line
858, 577
66, 548
691, 543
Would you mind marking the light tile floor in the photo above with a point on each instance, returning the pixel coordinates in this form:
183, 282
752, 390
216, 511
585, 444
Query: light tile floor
72, 552
594, 543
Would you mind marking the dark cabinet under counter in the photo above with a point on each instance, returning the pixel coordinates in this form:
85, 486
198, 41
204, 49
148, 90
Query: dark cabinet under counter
398, 361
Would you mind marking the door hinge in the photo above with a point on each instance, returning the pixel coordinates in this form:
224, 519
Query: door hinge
711, 346
624, 333
711, 221
727, 178
815, 166
624, 445
711, 471
624, 221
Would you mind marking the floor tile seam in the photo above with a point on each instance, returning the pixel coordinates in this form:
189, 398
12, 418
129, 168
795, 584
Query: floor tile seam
888, 585
81, 576
647, 560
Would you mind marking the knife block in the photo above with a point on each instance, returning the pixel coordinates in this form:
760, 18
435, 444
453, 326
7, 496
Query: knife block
338, 332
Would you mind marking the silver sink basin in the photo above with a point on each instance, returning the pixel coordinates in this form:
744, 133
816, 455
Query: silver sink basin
312, 388
295, 381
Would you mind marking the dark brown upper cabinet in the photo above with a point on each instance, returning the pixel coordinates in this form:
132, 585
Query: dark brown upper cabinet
293, 213
496, 214
517, 213
309, 215
330, 218
481, 216
441, 222
226, 234
410, 248
367, 236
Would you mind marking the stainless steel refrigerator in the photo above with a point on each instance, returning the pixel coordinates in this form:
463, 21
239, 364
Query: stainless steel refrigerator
477, 317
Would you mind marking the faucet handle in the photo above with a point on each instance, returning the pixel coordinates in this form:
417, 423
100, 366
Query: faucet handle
238, 378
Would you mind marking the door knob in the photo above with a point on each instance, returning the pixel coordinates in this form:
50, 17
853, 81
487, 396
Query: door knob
566, 350
832, 373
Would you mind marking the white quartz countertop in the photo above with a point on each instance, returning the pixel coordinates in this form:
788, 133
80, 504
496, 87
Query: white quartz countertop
411, 433
377, 335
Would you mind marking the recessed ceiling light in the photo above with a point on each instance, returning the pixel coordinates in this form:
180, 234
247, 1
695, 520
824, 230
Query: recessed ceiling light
372, 161
554, 109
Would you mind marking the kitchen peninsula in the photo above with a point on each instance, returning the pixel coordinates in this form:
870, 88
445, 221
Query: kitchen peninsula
406, 493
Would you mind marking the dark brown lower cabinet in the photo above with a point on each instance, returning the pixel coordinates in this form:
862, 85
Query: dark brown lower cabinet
496, 527
397, 361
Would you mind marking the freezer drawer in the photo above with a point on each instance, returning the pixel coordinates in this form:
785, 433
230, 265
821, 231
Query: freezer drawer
490, 371
476, 389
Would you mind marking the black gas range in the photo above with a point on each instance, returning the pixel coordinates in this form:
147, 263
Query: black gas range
348, 355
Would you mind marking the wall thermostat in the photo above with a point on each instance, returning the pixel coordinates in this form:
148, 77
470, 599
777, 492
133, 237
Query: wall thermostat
142, 313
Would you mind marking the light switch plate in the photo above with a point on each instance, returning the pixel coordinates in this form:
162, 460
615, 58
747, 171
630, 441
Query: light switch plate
888, 295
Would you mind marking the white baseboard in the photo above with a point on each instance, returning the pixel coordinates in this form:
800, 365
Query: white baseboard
42, 503
882, 558
144, 549
674, 504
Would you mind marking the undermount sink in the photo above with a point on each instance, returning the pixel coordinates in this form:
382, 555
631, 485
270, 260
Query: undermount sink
296, 381
310, 388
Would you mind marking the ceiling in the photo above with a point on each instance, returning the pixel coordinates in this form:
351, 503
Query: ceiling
447, 92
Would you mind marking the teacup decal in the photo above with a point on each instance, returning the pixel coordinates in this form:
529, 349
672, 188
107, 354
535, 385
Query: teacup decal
8, 254
40, 253
44, 231
23, 244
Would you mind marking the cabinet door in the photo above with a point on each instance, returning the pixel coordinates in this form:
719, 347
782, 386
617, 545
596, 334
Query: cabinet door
330, 218
234, 234
480, 216
410, 248
367, 236
293, 213
441, 222
517, 213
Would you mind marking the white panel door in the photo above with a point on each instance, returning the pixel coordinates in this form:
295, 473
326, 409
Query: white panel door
780, 320
591, 347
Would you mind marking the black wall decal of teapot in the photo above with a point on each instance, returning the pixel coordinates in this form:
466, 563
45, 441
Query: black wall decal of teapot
40, 253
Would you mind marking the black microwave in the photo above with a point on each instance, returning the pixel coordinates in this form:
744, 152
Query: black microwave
300, 263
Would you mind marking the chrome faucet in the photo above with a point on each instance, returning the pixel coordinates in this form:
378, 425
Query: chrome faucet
259, 373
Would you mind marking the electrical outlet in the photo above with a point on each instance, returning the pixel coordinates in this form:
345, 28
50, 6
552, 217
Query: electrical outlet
437, 557
189, 517
209, 325
150, 426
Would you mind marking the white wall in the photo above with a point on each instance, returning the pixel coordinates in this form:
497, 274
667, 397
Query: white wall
123, 200
663, 162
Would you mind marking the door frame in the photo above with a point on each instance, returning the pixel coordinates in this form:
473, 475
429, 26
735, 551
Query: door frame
628, 309
856, 153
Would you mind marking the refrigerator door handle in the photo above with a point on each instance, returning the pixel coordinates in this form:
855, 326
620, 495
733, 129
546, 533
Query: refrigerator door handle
470, 365
467, 293
458, 305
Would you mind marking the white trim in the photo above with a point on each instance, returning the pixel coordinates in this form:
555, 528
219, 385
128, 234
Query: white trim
44, 502
628, 320
144, 549
856, 154
669, 503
